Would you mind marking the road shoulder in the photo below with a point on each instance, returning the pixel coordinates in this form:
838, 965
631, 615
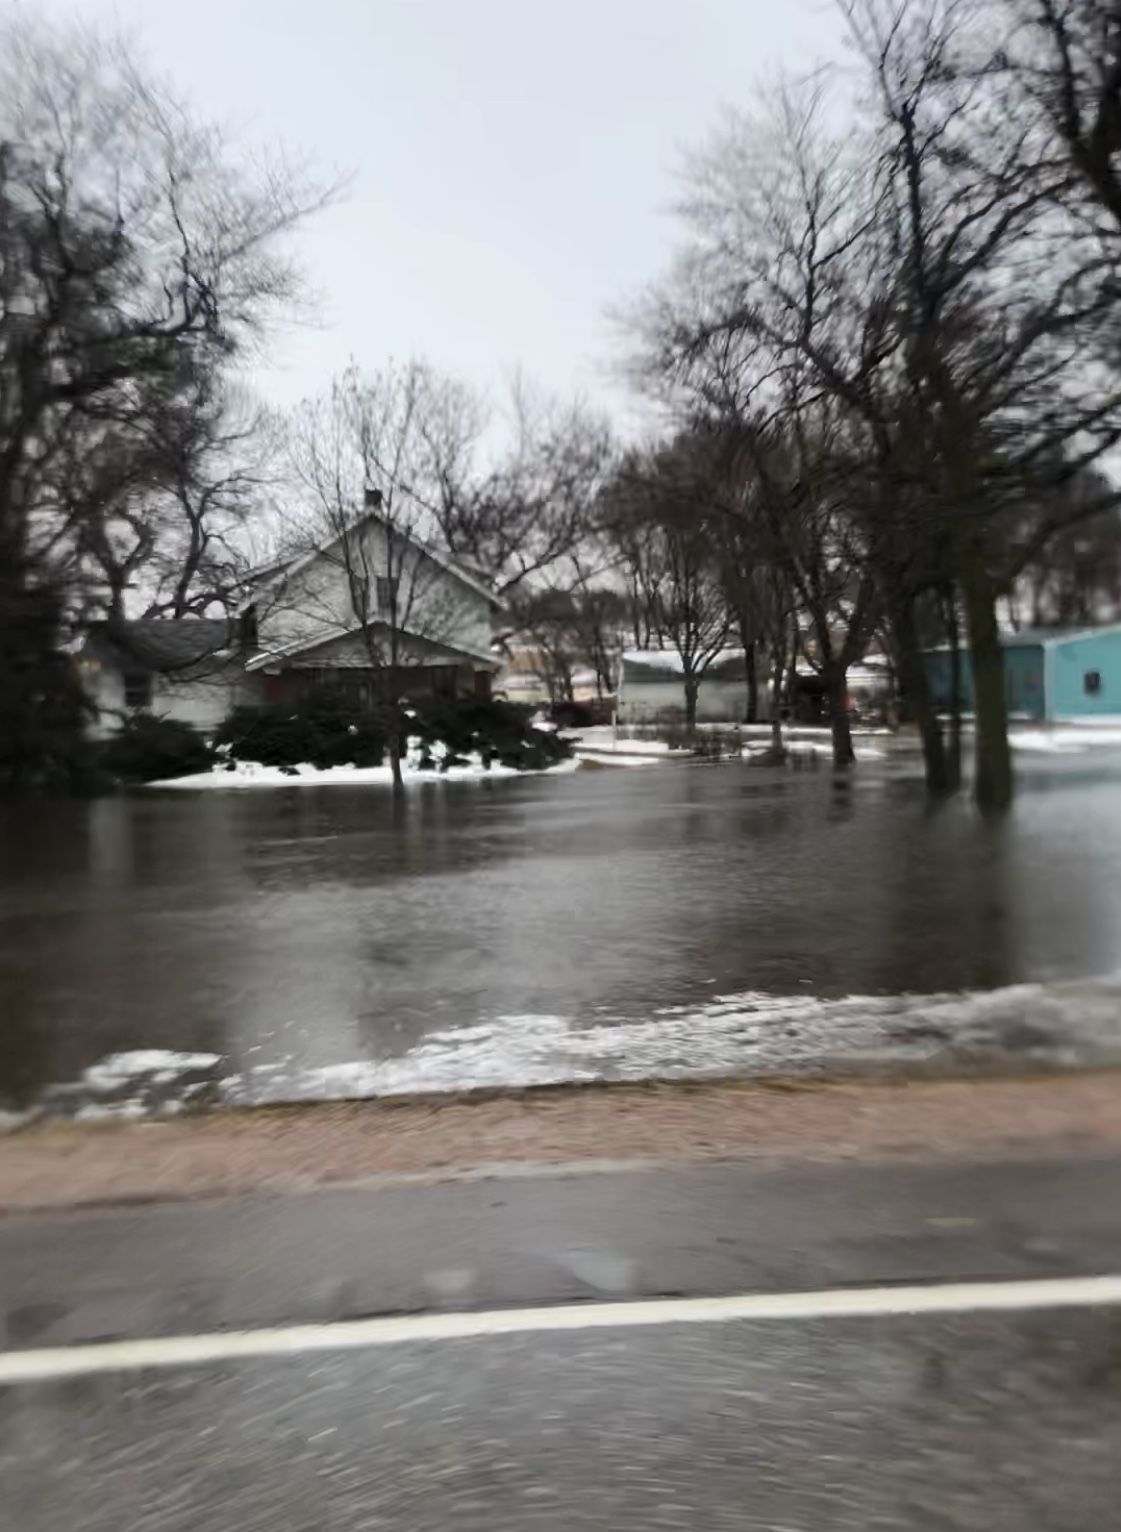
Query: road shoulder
67, 1165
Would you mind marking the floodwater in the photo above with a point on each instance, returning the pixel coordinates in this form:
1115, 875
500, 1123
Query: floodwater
599, 922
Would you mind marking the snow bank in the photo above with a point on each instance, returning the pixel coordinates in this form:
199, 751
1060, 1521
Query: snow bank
253, 774
752, 1034
604, 739
160, 1065
1069, 739
142, 1082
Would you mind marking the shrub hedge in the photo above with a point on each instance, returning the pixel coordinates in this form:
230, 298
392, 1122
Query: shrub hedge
327, 729
493, 730
322, 729
149, 749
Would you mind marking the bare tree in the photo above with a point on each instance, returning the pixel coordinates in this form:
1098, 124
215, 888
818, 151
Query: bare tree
921, 277
361, 457
165, 500
1076, 577
134, 249
524, 518
1062, 62
636, 552
656, 504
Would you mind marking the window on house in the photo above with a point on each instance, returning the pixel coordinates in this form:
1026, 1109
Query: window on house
387, 593
362, 595
1092, 683
247, 627
138, 689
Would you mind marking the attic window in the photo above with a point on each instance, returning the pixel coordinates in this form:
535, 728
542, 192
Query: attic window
138, 689
387, 592
1092, 683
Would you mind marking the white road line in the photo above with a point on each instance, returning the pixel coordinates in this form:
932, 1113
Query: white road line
348, 1335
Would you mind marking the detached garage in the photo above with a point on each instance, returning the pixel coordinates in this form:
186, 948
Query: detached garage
652, 687
1049, 673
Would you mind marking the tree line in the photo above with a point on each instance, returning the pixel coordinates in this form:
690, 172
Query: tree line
893, 330
886, 357
145, 259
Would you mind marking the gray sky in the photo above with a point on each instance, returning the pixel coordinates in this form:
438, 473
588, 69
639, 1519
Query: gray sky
513, 159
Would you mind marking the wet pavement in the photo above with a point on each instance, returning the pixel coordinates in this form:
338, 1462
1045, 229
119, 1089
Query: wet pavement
962, 1420
165, 1268
480, 927
967, 1420
970, 1422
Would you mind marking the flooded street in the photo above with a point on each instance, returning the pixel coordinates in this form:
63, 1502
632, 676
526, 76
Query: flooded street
666, 919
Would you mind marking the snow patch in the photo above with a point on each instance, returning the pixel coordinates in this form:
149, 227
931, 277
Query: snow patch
750, 1035
158, 1065
1071, 739
253, 774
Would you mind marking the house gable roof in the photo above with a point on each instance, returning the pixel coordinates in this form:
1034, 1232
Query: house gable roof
285, 568
308, 643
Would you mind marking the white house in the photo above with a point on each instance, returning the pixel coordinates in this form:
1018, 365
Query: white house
345, 615
192, 669
652, 687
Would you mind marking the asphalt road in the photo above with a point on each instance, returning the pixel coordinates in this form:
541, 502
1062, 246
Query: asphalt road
167, 1268
999, 1425
965, 1420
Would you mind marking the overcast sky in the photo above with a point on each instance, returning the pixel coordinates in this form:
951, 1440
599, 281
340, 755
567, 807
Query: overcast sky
513, 160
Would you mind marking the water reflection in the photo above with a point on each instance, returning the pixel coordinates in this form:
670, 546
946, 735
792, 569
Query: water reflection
321, 925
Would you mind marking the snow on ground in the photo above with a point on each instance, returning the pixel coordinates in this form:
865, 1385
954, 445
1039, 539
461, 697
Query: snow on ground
253, 774
752, 1034
1068, 738
603, 740
160, 1065
141, 1082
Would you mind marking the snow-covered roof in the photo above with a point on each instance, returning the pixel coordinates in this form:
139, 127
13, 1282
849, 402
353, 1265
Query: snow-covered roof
662, 664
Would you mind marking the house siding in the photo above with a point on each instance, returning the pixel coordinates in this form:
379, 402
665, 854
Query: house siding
1072, 659
202, 702
1024, 678
314, 603
718, 701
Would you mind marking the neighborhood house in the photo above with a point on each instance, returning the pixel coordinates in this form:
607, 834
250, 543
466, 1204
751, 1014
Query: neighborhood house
324, 617
652, 687
1049, 673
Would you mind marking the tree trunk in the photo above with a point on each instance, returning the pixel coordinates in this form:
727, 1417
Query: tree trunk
396, 732
916, 693
778, 670
691, 686
836, 682
395, 757
752, 683
954, 634
792, 671
992, 780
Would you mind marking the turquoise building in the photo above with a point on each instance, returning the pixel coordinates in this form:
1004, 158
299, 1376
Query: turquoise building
1049, 673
